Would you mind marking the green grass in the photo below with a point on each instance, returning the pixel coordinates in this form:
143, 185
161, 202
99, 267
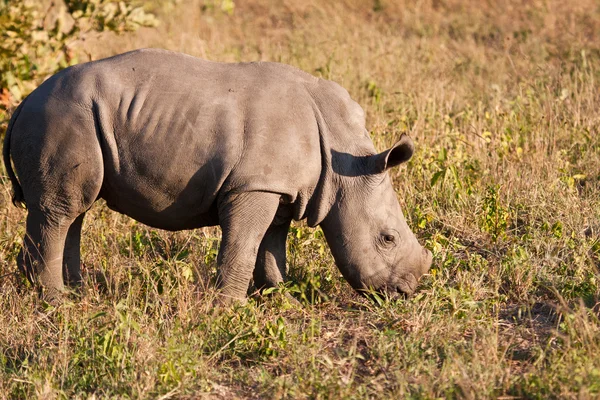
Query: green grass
502, 103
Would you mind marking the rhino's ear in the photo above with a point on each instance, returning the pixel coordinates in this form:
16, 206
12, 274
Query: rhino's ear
399, 153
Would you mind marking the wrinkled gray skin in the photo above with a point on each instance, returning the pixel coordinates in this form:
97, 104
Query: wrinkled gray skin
178, 143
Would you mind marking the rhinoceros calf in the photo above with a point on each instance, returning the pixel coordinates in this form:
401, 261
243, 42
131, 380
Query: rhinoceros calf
176, 142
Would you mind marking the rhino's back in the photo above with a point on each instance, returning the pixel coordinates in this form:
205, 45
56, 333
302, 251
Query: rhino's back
176, 131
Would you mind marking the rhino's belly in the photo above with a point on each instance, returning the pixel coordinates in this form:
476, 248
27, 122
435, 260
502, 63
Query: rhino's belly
171, 220
164, 196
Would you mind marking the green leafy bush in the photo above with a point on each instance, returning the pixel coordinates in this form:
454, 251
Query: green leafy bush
38, 38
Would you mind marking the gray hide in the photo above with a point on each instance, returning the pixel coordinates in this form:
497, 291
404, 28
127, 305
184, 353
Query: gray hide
179, 143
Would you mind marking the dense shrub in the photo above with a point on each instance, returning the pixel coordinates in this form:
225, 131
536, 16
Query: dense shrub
39, 38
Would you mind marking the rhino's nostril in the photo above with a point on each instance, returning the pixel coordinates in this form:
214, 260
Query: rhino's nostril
427, 254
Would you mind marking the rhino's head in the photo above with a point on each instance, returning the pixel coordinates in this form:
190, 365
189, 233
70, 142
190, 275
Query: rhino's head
369, 238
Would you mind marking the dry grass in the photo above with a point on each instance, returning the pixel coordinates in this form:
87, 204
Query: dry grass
501, 99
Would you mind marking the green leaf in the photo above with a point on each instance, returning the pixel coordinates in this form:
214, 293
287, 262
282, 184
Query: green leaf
436, 177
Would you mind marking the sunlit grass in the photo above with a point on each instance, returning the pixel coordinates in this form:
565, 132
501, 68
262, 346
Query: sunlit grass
502, 102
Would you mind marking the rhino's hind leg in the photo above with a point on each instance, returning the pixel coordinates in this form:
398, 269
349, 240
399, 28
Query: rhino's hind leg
42, 253
244, 219
270, 267
57, 194
72, 254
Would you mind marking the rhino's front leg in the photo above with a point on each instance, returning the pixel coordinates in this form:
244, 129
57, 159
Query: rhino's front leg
244, 219
270, 267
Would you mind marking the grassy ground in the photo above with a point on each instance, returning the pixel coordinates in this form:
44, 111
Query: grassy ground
502, 101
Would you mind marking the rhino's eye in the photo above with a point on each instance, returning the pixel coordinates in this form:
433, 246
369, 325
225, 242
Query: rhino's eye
388, 239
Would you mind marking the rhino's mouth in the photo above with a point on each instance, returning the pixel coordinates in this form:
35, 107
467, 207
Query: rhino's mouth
381, 283
407, 284
401, 288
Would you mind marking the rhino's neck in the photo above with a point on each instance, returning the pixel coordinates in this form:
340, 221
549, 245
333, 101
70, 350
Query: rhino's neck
341, 146
325, 192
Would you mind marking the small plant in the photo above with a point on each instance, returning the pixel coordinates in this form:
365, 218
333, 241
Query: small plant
225, 6
495, 217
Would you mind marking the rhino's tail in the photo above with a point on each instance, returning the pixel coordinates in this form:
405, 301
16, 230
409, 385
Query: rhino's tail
17, 198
